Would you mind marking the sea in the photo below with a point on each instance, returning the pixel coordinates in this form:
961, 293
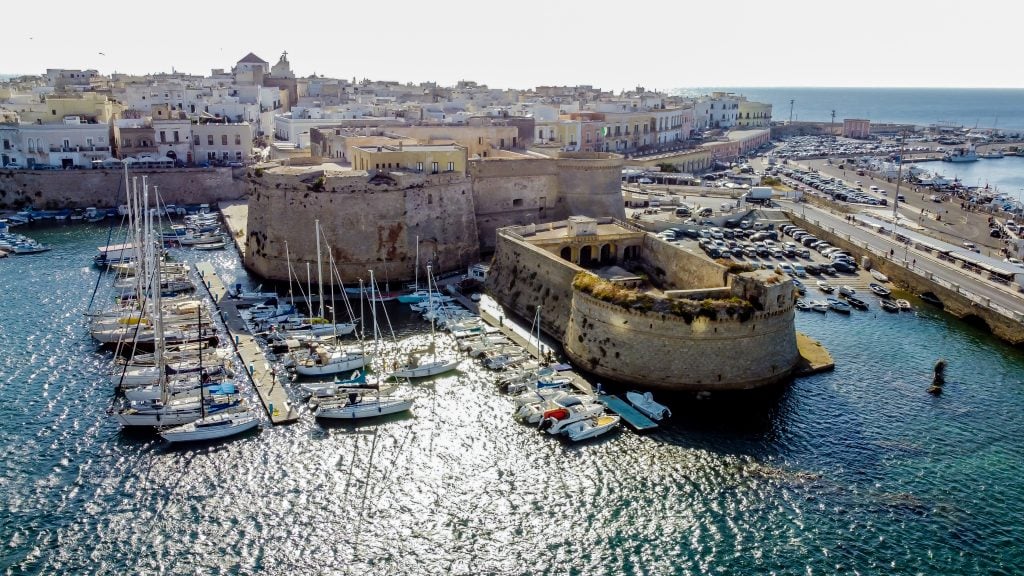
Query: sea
855, 471
966, 107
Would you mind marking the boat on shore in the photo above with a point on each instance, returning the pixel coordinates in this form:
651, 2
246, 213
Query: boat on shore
904, 305
880, 291
825, 287
889, 305
877, 275
931, 299
838, 305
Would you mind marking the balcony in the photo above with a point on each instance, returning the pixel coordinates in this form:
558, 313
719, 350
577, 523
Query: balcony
79, 149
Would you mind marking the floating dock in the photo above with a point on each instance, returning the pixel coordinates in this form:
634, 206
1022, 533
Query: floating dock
264, 379
631, 415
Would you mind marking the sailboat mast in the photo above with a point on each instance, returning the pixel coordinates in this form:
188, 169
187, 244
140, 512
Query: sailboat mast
416, 271
288, 258
319, 271
202, 380
433, 314
154, 271
373, 315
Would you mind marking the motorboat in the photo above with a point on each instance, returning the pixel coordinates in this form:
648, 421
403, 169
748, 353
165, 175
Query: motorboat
856, 303
846, 291
819, 306
825, 287
591, 427
889, 305
645, 403
213, 427
877, 275
879, 290
904, 304
838, 305
532, 412
566, 411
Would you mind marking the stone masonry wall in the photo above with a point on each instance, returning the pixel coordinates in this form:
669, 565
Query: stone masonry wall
664, 352
682, 269
369, 223
55, 189
523, 277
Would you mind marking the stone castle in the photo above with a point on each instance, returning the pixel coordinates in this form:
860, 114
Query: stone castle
630, 307
376, 218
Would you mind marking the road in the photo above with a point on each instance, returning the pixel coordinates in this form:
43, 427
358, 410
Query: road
1006, 297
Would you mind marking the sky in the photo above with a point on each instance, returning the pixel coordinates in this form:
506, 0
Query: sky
659, 45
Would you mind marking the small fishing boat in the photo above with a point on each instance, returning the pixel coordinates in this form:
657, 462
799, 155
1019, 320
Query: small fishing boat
889, 305
877, 275
825, 287
879, 290
838, 305
210, 246
802, 306
645, 403
846, 291
904, 304
819, 306
856, 303
931, 299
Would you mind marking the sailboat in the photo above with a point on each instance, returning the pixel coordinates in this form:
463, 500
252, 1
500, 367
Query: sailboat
163, 411
213, 426
357, 402
417, 369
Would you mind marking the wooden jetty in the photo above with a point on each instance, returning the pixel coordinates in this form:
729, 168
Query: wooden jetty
264, 380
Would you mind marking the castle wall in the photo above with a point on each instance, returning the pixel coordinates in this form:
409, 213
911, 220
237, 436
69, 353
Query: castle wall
680, 269
54, 189
591, 184
523, 277
665, 352
514, 192
369, 223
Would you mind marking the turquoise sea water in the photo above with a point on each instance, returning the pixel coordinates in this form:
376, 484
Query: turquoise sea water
857, 471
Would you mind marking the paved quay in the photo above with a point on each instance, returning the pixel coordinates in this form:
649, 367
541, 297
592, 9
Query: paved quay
272, 393
236, 217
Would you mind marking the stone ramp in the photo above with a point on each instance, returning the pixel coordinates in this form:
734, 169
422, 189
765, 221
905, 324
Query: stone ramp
814, 358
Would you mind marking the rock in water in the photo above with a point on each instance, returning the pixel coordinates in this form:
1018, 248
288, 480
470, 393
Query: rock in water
939, 378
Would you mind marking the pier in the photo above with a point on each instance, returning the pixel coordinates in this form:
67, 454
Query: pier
273, 394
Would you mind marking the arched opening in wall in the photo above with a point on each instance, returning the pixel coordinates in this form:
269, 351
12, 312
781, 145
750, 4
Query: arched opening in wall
631, 253
566, 253
586, 256
607, 255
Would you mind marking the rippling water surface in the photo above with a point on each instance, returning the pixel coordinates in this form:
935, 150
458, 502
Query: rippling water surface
855, 471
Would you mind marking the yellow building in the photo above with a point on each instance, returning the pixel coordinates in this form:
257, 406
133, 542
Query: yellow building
430, 159
478, 140
754, 115
90, 106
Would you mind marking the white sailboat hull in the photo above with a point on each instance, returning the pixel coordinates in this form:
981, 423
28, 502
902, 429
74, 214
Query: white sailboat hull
331, 367
364, 409
212, 428
426, 370
166, 417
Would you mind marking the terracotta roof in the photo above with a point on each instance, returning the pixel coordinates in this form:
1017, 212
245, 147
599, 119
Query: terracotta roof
251, 58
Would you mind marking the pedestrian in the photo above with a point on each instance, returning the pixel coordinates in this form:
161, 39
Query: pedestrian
891, 253
913, 262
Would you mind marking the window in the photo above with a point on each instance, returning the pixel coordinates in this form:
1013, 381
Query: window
451, 166
223, 139
517, 202
209, 139
433, 167
54, 112
163, 136
176, 137
238, 140
127, 143
238, 155
419, 166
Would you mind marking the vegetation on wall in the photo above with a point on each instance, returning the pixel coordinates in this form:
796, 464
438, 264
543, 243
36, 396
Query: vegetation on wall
633, 299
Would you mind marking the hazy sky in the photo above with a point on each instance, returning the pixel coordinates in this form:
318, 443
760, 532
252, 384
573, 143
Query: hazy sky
525, 43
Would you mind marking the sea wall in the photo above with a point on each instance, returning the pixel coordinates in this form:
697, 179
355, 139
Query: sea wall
919, 282
55, 189
667, 352
514, 192
368, 223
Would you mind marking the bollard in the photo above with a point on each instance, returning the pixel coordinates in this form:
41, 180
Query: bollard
252, 368
270, 408
236, 339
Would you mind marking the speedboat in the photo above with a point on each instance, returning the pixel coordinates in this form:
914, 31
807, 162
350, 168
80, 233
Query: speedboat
889, 305
645, 403
904, 304
879, 290
566, 411
838, 305
591, 427
533, 412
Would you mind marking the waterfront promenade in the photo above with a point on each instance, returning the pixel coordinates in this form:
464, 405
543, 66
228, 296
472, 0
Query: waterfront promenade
272, 394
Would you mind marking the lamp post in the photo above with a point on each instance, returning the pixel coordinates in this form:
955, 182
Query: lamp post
899, 177
832, 126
